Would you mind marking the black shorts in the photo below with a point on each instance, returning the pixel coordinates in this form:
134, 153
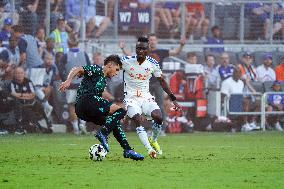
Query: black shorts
92, 109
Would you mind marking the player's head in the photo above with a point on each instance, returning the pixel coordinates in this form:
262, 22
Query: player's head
142, 48
112, 65
152, 41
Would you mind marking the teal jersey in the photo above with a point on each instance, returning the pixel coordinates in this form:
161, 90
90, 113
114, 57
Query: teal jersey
94, 82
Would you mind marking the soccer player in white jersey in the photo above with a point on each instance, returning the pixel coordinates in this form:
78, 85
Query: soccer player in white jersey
138, 70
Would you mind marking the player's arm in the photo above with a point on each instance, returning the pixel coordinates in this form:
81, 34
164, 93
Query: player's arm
76, 71
167, 89
177, 50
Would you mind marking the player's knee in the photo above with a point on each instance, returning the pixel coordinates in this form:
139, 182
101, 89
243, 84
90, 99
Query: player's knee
137, 119
157, 116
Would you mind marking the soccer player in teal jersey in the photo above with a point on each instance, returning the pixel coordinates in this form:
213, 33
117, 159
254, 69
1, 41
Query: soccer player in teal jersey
90, 106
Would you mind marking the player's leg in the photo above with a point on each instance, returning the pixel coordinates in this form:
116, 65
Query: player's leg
152, 109
120, 136
134, 112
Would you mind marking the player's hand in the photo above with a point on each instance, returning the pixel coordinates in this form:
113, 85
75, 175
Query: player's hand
64, 85
177, 106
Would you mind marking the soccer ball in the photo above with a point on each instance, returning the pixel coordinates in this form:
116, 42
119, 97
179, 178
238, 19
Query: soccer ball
97, 152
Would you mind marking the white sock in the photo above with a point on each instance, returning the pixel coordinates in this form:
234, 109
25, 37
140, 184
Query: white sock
75, 125
45, 103
156, 131
82, 122
143, 137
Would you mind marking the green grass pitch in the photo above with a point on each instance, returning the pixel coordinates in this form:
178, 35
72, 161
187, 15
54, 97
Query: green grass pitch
199, 160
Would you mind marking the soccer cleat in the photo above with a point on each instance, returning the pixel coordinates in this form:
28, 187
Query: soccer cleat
156, 146
152, 153
132, 155
103, 139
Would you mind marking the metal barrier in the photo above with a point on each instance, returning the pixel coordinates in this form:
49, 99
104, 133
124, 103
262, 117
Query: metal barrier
264, 112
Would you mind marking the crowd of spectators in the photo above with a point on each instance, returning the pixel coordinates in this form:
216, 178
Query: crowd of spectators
31, 60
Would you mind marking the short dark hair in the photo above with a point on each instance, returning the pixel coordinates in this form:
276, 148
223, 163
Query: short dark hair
207, 56
151, 35
17, 28
191, 54
143, 39
114, 58
215, 28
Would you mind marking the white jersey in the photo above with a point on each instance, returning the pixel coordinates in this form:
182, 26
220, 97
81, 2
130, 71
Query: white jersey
137, 76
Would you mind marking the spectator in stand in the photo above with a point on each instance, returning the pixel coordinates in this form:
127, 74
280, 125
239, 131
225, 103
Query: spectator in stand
196, 20
14, 52
169, 14
215, 39
178, 84
5, 33
279, 70
4, 63
233, 85
95, 21
211, 72
275, 103
57, 10
29, 54
265, 72
23, 91
225, 69
98, 59
49, 48
40, 38
43, 92
28, 16
7, 12
60, 36
73, 58
262, 12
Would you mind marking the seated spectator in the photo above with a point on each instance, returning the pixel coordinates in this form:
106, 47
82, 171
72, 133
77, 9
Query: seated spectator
5, 33
57, 9
40, 38
196, 20
5, 62
23, 91
29, 54
262, 12
234, 85
225, 69
95, 21
49, 48
248, 71
143, 4
43, 91
98, 59
279, 70
73, 13
275, 103
265, 72
14, 52
60, 36
28, 17
211, 72
215, 39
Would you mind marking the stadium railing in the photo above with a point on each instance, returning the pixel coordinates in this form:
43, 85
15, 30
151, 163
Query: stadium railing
235, 107
263, 110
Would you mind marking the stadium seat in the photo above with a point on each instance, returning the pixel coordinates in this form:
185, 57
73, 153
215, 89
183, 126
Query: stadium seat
258, 86
230, 28
267, 86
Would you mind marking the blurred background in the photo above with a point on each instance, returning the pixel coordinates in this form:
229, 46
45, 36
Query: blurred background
205, 42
